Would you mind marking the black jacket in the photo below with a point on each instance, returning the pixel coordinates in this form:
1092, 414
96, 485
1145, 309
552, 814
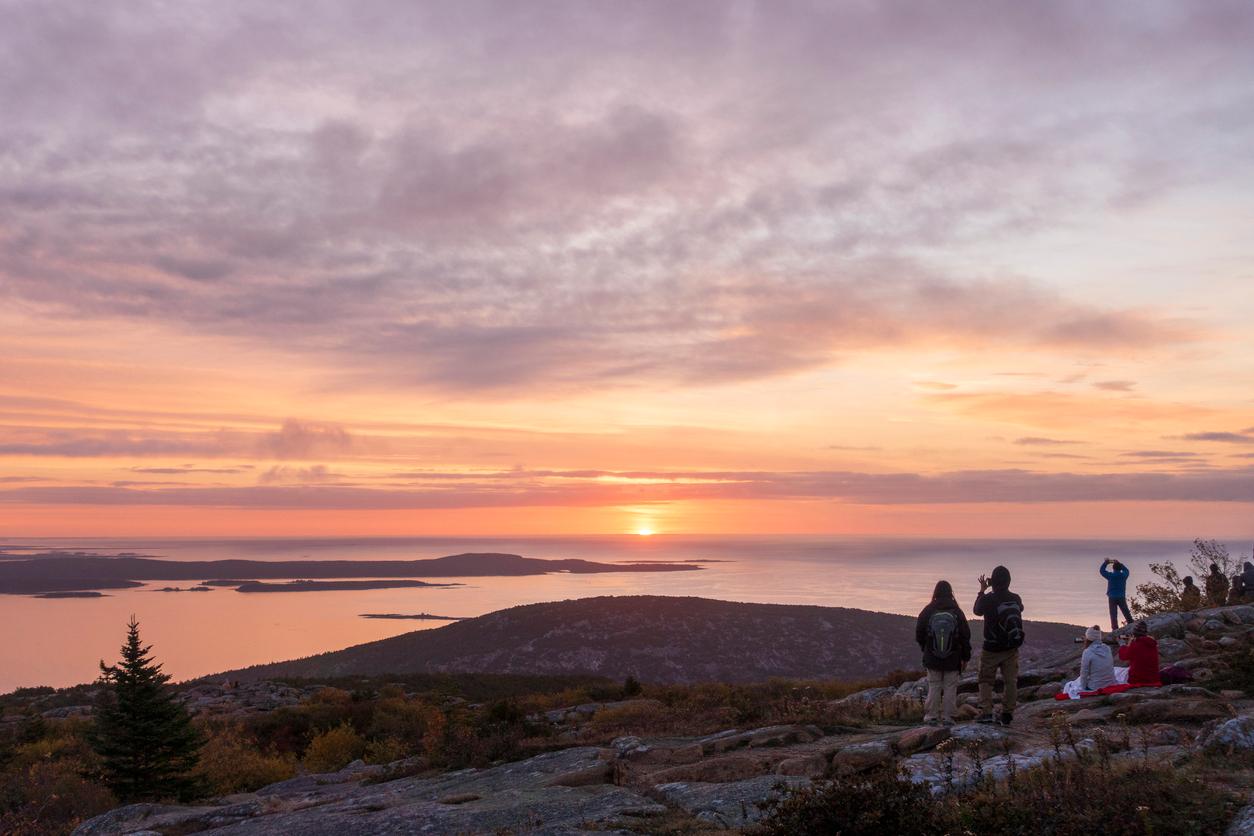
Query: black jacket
995, 607
962, 639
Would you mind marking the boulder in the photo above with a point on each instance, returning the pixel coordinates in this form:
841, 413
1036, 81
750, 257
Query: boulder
861, 756
712, 770
808, 766
1178, 711
733, 805
921, 739
513, 797
1235, 735
1243, 824
1171, 649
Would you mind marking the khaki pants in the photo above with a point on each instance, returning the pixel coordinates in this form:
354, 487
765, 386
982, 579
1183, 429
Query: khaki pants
942, 695
990, 662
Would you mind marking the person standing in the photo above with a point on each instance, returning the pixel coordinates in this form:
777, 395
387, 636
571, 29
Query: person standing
1116, 575
1097, 664
1216, 587
944, 637
1190, 595
1002, 611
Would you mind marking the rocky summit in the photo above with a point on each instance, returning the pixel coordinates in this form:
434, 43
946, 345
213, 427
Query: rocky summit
720, 781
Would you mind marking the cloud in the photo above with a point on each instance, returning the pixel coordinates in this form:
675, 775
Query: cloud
957, 487
303, 440
1115, 385
482, 199
1040, 441
314, 475
167, 471
1226, 437
1159, 454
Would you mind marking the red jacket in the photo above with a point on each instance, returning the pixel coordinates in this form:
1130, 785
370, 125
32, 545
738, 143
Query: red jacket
1142, 658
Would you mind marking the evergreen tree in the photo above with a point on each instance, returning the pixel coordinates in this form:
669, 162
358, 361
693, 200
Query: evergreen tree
145, 739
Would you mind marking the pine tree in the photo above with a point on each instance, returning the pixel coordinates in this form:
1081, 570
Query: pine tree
145, 739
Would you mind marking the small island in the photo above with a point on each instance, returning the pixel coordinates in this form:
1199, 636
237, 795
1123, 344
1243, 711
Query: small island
333, 586
71, 595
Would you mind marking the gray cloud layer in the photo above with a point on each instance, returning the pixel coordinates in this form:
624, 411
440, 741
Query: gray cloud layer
526, 489
482, 195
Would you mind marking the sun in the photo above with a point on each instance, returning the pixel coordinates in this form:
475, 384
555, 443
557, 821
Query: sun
645, 531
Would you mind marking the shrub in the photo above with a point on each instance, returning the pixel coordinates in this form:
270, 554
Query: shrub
231, 763
386, 750
334, 749
1164, 596
1074, 798
879, 802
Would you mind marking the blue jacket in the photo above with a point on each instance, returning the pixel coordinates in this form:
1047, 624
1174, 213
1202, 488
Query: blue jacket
1116, 581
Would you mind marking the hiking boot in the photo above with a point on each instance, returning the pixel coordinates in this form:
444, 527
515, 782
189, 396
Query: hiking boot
1006, 718
987, 719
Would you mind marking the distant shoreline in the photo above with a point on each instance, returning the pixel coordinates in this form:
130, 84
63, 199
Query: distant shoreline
422, 616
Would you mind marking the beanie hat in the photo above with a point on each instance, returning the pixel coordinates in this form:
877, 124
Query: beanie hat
1140, 629
1093, 634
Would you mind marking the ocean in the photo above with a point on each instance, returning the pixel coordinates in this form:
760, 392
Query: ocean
60, 642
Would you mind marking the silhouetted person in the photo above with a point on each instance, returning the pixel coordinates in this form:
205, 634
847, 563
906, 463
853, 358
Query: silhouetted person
1247, 582
1002, 611
1141, 654
1216, 587
1116, 591
1190, 596
1097, 665
945, 639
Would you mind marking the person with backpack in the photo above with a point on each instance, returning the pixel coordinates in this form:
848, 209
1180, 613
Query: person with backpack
1002, 611
1116, 591
945, 639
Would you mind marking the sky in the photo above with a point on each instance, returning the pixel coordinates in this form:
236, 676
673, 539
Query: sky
933, 269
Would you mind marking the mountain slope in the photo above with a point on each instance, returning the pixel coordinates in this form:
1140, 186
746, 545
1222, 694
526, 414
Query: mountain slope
654, 638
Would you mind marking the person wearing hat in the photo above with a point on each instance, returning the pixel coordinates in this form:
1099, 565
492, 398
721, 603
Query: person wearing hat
1097, 664
1141, 654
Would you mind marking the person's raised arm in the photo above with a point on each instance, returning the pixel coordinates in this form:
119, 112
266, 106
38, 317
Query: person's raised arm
978, 609
1103, 571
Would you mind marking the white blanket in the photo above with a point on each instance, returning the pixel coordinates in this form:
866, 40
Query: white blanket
1073, 690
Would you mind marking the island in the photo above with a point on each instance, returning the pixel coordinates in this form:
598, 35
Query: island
332, 586
88, 571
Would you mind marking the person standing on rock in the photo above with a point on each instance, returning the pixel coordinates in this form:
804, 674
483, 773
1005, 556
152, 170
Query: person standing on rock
1116, 575
1097, 664
1141, 654
1190, 595
945, 639
1216, 587
1002, 611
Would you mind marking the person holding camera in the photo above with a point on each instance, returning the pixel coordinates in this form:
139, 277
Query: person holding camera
1116, 575
1002, 611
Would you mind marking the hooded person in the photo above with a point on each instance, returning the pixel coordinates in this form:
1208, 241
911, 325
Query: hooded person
1141, 654
1190, 595
1002, 611
944, 636
1097, 664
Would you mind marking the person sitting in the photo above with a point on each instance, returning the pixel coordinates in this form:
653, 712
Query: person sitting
1216, 587
1141, 654
1190, 596
1097, 664
945, 639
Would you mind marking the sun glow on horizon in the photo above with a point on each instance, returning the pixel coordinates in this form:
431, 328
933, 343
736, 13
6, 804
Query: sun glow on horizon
645, 531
